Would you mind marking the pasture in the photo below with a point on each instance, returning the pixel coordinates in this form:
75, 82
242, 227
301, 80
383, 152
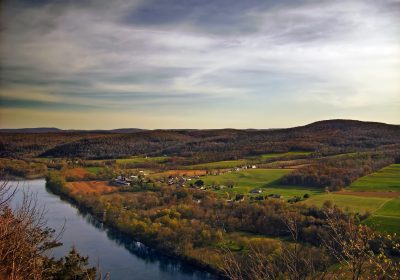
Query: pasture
386, 179
284, 155
377, 193
266, 179
139, 160
219, 164
350, 203
94, 169
384, 223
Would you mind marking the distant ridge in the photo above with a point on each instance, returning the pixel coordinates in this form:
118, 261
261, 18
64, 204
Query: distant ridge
31, 130
54, 129
341, 124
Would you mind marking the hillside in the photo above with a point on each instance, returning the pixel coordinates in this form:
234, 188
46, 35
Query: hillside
326, 137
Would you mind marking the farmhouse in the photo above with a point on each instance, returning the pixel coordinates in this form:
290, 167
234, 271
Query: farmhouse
258, 191
121, 181
274, 195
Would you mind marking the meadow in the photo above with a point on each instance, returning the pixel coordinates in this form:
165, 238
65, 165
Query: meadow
386, 179
139, 160
378, 193
350, 203
374, 193
284, 155
265, 179
219, 164
94, 169
387, 217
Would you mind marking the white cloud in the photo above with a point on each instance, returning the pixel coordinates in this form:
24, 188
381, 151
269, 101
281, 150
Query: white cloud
345, 54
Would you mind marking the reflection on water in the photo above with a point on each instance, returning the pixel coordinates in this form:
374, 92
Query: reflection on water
116, 253
140, 250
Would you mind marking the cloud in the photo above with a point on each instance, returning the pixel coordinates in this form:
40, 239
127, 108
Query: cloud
160, 56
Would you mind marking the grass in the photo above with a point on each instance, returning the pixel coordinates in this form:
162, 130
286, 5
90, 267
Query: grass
387, 217
384, 223
350, 203
94, 170
138, 160
386, 179
290, 191
219, 164
390, 208
249, 179
288, 154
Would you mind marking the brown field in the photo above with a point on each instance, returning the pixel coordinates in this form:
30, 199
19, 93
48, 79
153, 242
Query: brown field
76, 172
369, 193
195, 172
97, 187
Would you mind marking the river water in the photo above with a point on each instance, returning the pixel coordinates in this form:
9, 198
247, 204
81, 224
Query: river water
122, 257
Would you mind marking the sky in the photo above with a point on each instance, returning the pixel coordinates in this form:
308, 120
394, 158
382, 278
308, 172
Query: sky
197, 63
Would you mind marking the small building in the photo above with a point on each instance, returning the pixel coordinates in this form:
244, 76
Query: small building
121, 181
274, 195
118, 182
239, 197
257, 191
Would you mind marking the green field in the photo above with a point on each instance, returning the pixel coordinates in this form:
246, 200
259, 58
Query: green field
386, 179
384, 223
288, 154
138, 160
219, 164
350, 203
94, 170
385, 211
246, 180
390, 208
387, 217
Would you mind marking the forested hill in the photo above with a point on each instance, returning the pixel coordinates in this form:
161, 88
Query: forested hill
331, 136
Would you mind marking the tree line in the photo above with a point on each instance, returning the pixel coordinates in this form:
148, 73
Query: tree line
198, 225
25, 241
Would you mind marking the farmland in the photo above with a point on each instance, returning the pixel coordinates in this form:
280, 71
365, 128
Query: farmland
219, 164
94, 169
386, 179
350, 203
138, 160
197, 193
265, 179
284, 155
378, 193
387, 217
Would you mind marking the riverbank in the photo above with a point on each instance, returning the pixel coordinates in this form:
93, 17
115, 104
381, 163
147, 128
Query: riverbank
57, 185
19, 169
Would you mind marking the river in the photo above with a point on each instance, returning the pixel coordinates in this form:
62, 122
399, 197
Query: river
122, 257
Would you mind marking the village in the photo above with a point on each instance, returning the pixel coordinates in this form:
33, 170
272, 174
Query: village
194, 181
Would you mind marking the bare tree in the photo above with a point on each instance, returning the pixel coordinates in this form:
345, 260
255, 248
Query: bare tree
24, 237
351, 245
301, 261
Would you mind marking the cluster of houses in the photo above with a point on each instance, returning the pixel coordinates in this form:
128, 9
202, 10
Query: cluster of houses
178, 181
245, 167
124, 181
181, 181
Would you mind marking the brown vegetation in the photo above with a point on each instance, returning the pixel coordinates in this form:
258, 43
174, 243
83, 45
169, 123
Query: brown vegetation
25, 241
90, 187
182, 172
79, 173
